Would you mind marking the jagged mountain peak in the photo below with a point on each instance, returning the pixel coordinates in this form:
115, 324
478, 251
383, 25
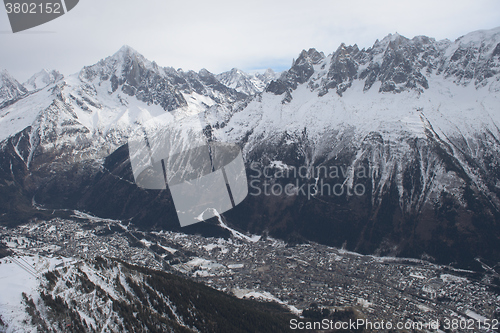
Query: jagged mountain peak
311, 56
120, 64
269, 72
232, 75
395, 36
249, 84
204, 73
391, 41
128, 53
127, 49
42, 79
301, 71
268, 76
235, 70
420, 41
134, 75
10, 88
5, 76
6, 79
344, 51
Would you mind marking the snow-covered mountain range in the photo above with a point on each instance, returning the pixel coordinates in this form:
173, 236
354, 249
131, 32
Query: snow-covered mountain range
414, 123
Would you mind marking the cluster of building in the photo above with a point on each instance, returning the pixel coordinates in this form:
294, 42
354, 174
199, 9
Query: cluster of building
380, 288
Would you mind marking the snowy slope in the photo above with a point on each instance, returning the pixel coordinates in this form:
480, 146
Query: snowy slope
18, 275
106, 295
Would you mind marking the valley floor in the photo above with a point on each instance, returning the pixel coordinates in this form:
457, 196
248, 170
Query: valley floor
379, 288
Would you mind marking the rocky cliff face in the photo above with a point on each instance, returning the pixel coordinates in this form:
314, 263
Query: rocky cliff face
391, 150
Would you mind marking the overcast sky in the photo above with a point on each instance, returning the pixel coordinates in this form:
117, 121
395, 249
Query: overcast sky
221, 34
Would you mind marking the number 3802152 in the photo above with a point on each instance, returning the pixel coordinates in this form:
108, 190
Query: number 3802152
33, 8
